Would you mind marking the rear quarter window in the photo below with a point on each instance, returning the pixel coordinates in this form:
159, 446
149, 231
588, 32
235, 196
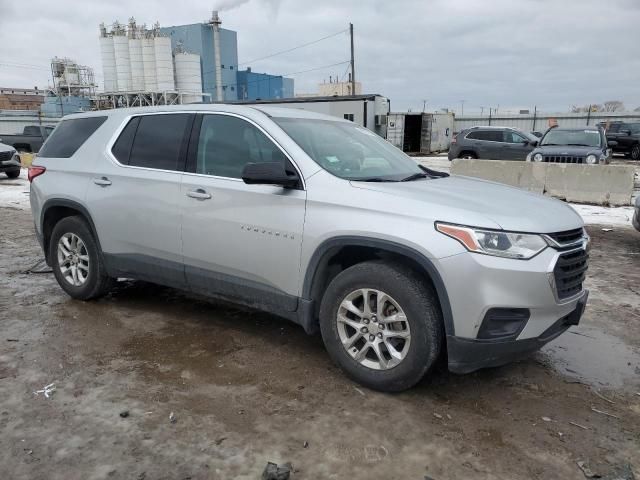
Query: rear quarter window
69, 136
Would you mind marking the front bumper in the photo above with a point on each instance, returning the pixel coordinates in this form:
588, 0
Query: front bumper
467, 355
10, 165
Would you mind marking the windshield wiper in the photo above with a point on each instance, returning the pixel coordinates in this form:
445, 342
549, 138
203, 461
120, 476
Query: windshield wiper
579, 145
415, 176
372, 179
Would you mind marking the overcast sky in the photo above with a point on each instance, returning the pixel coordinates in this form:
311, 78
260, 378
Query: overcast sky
508, 53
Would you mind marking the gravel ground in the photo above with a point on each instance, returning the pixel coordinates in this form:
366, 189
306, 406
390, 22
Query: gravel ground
246, 388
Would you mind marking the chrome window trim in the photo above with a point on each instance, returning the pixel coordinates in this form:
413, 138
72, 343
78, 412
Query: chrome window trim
128, 118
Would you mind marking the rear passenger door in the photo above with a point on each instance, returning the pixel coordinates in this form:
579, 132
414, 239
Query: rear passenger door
240, 241
487, 143
135, 198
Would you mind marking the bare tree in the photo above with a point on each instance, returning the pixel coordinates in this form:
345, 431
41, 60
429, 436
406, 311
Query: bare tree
613, 106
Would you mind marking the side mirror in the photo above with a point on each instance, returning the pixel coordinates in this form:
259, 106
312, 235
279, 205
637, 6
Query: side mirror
612, 143
625, 132
268, 173
533, 143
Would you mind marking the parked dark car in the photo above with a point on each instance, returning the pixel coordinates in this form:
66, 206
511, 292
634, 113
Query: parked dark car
30, 140
587, 145
494, 143
627, 136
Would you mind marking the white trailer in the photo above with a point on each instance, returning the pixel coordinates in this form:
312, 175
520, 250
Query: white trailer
369, 111
420, 133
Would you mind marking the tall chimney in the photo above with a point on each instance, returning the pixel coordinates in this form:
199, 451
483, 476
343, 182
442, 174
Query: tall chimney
215, 24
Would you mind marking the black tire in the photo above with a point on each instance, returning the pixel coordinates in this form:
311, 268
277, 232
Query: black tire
97, 282
13, 173
635, 152
420, 304
468, 155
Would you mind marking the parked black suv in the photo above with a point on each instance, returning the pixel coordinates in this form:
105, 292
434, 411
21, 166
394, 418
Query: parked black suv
495, 143
627, 136
573, 145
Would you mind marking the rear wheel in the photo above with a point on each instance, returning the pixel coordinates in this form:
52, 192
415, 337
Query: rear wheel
13, 173
76, 260
635, 152
382, 325
468, 155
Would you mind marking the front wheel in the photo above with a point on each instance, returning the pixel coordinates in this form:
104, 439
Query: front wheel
13, 173
382, 325
76, 260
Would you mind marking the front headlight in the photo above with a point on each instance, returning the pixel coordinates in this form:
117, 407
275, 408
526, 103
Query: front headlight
537, 157
592, 159
522, 246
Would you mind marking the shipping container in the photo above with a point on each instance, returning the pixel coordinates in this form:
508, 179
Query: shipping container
420, 133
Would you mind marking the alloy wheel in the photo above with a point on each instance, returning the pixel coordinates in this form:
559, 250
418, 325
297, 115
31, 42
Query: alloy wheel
73, 259
373, 329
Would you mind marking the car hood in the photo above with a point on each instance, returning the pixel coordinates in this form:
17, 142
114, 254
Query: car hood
567, 150
6, 148
480, 203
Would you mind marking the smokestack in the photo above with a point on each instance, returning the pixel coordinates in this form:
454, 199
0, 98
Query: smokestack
215, 24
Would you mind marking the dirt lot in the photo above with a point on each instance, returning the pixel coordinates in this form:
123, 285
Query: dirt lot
247, 388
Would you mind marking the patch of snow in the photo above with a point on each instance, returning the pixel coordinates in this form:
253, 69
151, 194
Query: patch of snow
14, 192
596, 215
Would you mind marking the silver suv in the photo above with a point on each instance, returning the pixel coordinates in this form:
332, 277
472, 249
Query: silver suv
316, 220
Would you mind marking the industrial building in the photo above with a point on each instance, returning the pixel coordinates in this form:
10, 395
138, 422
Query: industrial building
262, 86
141, 68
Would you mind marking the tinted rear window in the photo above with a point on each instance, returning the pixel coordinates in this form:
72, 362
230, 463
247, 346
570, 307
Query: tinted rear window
122, 148
69, 136
158, 141
487, 135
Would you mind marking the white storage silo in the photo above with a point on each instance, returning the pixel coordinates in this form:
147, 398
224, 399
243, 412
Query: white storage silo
149, 64
164, 63
123, 65
135, 59
108, 64
188, 77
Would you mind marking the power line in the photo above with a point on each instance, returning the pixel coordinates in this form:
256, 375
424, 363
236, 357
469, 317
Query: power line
294, 48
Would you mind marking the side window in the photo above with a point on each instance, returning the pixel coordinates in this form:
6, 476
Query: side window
122, 148
513, 137
69, 136
486, 135
226, 144
158, 141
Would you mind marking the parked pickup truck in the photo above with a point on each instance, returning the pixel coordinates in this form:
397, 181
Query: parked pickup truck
31, 139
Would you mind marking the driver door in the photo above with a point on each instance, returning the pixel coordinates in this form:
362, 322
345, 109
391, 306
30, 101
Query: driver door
239, 241
515, 147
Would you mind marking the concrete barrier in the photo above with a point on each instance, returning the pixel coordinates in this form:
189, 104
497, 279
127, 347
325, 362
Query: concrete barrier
596, 184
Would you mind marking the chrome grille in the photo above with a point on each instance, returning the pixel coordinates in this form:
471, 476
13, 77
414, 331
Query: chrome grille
6, 155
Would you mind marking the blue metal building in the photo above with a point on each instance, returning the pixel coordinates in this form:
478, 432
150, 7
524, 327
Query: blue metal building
263, 86
198, 38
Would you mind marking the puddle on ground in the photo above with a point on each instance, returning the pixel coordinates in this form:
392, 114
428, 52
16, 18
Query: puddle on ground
595, 358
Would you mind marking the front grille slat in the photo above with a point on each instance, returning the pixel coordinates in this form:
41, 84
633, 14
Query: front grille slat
569, 236
562, 159
6, 155
570, 272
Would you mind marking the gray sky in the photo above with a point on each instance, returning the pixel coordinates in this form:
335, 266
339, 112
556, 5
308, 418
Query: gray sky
511, 53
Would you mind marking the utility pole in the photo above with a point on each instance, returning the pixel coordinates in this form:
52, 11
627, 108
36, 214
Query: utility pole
424, 105
481, 110
462, 109
353, 71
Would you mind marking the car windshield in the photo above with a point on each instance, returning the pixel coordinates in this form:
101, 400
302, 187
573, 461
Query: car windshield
586, 138
351, 152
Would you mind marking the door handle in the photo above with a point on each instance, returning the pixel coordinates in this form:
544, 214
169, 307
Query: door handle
102, 181
199, 194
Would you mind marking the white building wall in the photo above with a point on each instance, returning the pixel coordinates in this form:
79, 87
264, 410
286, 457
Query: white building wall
188, 77
123, 65
108, 56
149, 64
164, 64
135, 59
